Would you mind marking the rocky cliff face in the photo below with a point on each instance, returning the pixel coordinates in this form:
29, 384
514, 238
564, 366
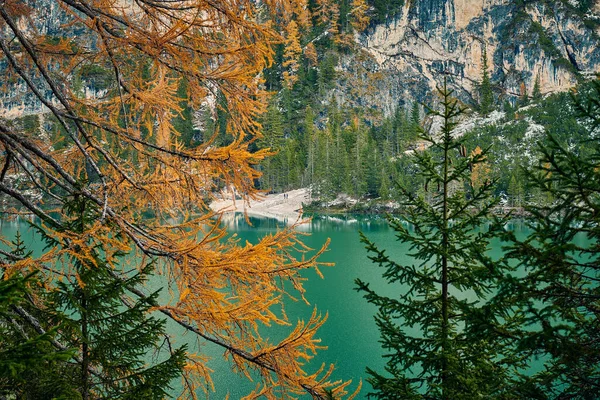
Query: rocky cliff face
554, 41
48, 18
404, 58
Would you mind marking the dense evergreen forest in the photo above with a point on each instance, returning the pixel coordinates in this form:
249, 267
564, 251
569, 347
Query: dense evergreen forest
336, 151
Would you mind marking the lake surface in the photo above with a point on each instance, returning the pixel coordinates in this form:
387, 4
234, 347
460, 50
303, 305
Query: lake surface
349, 333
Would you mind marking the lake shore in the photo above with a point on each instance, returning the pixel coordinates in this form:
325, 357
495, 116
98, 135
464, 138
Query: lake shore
285, 207
289, 206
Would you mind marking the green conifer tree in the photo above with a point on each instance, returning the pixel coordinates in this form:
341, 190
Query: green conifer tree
560, 294
536, 95
322, 186
372, 166
486, 96
401, 131
113, 331
339, 167
516, 189
275, 167
508, 110
310, 143
415, 118
31, 366
359, 155
439, 331
385, 171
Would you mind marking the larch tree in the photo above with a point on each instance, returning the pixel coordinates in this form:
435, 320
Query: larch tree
310, 54
523, 99
360, 18
292, 54
440, 330
108, 78
480, 172
327, 13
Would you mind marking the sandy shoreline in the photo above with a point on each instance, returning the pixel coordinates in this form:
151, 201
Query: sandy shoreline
286, 209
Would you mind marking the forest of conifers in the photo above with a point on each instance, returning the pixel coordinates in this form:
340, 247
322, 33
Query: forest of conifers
124, 120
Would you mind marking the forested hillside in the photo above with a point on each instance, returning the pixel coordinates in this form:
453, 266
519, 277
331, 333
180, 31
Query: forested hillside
341, 125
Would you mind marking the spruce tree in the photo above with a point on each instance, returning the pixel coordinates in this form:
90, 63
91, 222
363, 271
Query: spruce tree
439, 331
536, 95
486, 96
309, 135
372, 167
508, 109
31, 366
322, 186
113, 331
400, 128
25, 355
385, 171
415, 117
272, 139
339, 167
559, 294
359, 155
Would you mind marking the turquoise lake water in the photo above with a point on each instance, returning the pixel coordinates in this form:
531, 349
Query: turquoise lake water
350, 332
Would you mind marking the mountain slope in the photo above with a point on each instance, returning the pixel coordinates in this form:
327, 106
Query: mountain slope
423, 41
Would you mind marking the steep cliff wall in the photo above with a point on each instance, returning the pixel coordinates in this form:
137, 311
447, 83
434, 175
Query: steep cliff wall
404, 57
58, 22
48, 18
554, 41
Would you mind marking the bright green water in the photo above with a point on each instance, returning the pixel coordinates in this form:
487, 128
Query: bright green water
350, 332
